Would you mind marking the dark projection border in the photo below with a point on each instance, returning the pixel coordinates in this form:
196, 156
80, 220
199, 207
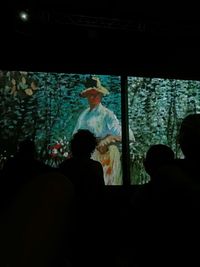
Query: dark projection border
125, 131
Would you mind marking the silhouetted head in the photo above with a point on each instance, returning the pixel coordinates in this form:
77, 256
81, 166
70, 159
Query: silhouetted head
83, 143
26, 148
189, 136
157, 156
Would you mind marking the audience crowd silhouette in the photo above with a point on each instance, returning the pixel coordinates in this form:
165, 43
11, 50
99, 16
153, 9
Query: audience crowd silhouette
60, 216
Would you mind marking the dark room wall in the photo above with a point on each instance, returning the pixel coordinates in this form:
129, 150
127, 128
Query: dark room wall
108, 39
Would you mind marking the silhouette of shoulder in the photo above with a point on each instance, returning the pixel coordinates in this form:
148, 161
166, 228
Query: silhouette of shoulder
83, 171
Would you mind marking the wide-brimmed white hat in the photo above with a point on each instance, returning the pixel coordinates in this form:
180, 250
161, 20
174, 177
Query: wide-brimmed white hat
95, 84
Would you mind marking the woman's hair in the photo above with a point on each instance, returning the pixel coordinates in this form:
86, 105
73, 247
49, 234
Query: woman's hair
83, 143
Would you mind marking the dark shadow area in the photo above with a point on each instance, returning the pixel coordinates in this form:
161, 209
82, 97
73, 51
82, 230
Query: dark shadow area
155, 224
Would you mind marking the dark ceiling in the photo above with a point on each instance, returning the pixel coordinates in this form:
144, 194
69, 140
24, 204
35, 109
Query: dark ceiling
103, 37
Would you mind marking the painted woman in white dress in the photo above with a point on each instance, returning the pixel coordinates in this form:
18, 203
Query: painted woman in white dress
104, 124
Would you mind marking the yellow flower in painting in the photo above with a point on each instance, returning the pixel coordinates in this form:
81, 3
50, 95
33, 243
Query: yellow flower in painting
29, 91
14, 90
33, 86
23, 80
13, 81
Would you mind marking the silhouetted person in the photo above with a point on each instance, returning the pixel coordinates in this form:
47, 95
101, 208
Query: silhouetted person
150, 207
37, 218
186, 171
21, 169
157, 156
185, 180
188, 168
175, 218
86, 175
36, 227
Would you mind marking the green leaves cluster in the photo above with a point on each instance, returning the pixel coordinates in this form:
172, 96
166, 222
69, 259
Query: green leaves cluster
45, 107
156, 108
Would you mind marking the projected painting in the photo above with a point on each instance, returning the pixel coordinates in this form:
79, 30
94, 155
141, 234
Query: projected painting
47, 108
156, 108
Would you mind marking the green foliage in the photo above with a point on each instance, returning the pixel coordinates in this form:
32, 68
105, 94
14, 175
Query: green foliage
45, 107
156, 108
17, 106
